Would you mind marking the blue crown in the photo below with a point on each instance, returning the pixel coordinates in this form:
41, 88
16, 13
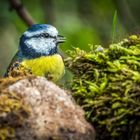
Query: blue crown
37, 27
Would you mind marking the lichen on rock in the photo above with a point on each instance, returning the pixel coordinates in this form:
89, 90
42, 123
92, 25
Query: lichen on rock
54, 115
106, 84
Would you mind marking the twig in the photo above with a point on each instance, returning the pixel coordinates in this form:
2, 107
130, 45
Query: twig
21, 11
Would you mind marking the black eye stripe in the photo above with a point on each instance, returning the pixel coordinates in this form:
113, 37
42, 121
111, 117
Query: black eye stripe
45, 35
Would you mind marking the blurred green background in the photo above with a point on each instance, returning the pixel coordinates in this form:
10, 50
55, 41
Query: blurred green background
82, 22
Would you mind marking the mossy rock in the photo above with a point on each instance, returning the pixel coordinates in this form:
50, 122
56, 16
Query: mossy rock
106, 83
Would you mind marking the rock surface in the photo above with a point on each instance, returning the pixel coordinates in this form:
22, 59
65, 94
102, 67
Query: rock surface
53, 113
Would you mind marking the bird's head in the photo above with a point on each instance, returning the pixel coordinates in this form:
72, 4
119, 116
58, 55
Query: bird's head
40, 40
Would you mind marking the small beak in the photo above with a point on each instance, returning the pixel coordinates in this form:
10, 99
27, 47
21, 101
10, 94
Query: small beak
60, 39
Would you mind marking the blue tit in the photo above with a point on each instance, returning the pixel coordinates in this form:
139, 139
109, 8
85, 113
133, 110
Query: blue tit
38, 51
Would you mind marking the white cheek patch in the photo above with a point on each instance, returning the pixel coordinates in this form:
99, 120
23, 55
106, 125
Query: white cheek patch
51, 31
40, 45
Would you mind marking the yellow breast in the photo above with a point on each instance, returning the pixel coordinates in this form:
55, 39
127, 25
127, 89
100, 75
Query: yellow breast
46, 65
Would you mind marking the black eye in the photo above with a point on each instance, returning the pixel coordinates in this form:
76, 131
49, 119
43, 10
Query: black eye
45, 35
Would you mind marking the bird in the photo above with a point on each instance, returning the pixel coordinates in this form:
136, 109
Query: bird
38, 52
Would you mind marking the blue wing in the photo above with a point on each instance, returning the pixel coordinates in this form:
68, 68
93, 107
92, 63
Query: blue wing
13, 64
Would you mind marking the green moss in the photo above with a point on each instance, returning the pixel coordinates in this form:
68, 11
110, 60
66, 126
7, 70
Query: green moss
18, 70
6, 133
13, 110
106, 84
